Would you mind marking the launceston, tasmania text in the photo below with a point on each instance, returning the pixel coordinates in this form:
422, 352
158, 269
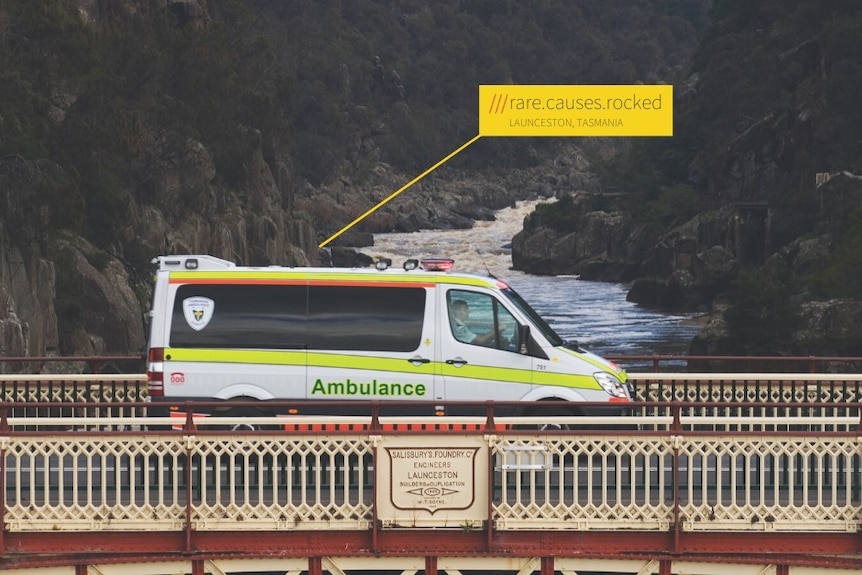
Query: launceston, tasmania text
565, 123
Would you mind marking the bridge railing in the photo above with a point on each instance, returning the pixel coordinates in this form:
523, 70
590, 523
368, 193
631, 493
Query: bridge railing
750, 395
92, 364
739, 364
729, 394
54, 395
683, 470
634, 363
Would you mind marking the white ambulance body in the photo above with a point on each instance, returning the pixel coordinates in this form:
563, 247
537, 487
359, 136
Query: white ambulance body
221, 331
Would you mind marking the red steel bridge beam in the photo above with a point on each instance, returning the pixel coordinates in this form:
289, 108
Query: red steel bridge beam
837, 550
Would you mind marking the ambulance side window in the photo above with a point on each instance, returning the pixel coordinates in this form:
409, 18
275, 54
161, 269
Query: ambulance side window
372, 318
239, 316
480, 319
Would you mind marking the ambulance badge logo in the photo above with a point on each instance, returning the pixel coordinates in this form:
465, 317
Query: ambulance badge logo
198, 311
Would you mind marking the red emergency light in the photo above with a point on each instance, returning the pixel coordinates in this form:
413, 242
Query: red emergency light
437, 264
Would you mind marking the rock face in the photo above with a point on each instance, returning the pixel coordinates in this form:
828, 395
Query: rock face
97, 291
61, 295
28, 320
28, 316
826, 328
831, 327
690, 265
101, 296
600, 248
597, 251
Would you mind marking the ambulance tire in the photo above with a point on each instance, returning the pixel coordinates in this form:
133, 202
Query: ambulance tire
244, 412
556, 411
556, 461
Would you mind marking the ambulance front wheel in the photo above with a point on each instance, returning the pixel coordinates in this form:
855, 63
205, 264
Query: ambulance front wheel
554, 412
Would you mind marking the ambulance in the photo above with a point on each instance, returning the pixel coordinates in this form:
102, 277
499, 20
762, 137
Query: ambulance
421, 332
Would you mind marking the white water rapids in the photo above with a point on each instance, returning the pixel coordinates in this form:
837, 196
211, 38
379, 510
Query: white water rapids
596, 314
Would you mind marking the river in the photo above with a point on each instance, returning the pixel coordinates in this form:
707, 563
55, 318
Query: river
596, 314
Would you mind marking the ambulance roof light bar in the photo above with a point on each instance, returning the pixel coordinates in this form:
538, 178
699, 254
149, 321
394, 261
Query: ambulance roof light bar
437, 264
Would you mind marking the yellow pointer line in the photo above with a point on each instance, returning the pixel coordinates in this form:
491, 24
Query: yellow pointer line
381, 203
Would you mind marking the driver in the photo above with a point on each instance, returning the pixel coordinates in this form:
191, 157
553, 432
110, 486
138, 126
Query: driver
460, 313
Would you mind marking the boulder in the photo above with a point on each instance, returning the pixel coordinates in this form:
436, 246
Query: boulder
596, 245
830, 327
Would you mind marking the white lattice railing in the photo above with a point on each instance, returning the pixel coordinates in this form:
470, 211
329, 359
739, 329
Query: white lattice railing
134, 482
766, 479
745, 388
740, 483
73, 388
737, 388
105, 395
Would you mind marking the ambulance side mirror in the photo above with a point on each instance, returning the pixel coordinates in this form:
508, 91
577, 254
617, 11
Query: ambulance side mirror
523, 338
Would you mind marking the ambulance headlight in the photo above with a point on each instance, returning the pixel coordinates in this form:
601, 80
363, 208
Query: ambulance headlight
613, 386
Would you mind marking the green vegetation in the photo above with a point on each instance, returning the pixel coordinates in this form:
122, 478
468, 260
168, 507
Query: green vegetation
561, 216
764, 315
840, 276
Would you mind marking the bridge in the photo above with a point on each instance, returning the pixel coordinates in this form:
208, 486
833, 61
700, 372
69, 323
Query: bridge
711, 473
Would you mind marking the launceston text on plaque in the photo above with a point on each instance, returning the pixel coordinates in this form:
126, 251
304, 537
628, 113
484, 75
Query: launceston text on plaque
432, 481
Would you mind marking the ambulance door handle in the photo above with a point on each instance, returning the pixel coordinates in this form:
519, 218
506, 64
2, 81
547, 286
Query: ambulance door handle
418, 360
457, 362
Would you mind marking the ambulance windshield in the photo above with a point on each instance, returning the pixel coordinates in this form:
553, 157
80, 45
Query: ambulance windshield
538, 322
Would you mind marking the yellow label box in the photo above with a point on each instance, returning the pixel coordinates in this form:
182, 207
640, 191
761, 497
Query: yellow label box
576, 110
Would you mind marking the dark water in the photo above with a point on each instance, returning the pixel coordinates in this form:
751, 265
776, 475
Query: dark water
597, 315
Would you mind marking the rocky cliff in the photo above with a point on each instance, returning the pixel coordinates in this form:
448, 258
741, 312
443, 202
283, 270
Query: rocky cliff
103, 295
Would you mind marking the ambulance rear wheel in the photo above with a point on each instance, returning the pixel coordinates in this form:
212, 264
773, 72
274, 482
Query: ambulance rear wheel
243, 412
